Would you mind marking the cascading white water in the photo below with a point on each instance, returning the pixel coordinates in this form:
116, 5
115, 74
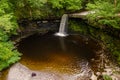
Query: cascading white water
63, 26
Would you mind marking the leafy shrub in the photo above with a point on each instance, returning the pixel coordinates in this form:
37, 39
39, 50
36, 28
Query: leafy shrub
8, 23
8, 26
7, 54
66, 4
3, 36
105, 13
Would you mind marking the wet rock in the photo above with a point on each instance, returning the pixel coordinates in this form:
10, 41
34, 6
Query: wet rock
83, 78
93, 77
44, 21
20, 72
98, 73
116, 77
46, 76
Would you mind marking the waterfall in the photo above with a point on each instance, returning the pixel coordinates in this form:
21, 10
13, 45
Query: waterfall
63, 26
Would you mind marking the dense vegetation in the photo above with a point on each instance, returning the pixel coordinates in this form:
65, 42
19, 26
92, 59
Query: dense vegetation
8, 26
36, 9
12, 11
106, 13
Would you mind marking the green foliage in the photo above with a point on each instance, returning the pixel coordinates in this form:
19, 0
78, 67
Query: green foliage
66, 4
31, 9
78, 26
4, 7
3, 36
37, 3
106, 77
7, 54
56, 3
8, 26
74, 26
37, 9
8, 23
73, 5
105, 13
101, 6
7, 19
113, 22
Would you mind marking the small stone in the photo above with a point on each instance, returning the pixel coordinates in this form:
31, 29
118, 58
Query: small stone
57, 20
109, 71
93, 77
92, 59
39, 22
44, 21
98, 73
33, 74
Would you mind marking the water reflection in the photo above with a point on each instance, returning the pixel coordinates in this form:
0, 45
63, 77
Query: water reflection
62, 43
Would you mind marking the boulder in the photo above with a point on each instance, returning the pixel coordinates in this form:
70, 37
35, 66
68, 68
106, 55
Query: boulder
21, 72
